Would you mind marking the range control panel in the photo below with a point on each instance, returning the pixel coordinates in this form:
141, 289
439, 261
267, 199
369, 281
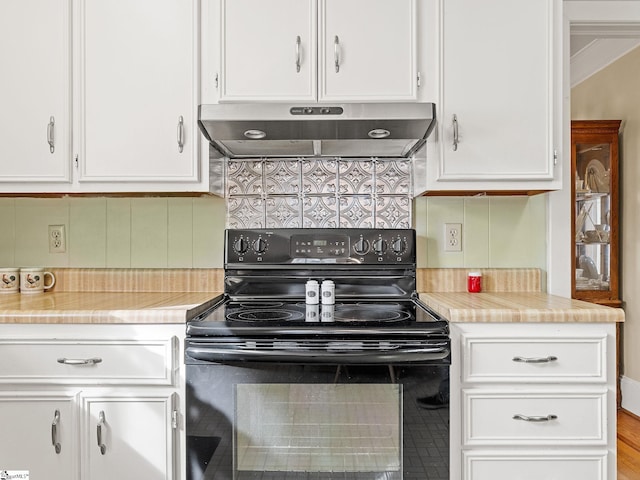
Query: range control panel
321, 246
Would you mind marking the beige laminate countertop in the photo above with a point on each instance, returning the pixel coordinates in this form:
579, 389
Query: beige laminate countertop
518, 307
167, 307
103, 307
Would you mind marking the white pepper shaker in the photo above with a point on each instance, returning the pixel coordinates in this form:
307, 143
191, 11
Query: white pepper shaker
328, 292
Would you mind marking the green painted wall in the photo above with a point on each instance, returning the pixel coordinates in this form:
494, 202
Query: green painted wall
177, 232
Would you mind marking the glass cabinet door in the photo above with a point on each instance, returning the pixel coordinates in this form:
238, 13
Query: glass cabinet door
595, 177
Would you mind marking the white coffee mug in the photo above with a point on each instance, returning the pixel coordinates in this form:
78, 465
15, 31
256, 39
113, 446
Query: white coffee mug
9, 280
32, 280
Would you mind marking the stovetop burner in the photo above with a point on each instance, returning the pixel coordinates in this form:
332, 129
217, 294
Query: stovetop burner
280, 312
384, 313
262, 315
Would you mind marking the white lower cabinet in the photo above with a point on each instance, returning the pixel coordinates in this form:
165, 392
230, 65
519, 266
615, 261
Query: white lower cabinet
528, 466
533, 401
534, 418
38, 434
91, 402
128, 438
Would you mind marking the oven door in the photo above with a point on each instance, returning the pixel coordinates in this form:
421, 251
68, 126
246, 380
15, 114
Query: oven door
348, 418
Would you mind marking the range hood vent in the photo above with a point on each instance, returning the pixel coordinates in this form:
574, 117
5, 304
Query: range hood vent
389, 130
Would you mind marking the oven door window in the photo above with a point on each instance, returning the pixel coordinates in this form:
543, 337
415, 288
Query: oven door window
261, 421
318, 428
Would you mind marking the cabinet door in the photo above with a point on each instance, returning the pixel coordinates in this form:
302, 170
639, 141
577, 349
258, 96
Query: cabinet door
497, 82
34, 92
38, 436
368, 50
137, 93
127, 437
268, 50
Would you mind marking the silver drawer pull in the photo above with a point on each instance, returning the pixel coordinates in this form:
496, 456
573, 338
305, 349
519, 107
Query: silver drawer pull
80, 361
548, 359
101, 423
54, 432
336, 53
51, 134
180, 134
456, 139
526, 418
298, 54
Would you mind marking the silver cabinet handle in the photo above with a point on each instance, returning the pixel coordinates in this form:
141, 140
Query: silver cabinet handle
80, 361
54, 432
455, 132
526, 418
548, 359
180, 134
336, 53
101, 423
298, 54
51, 134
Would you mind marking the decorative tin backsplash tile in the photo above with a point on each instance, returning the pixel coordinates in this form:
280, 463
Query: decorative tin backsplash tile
319, 193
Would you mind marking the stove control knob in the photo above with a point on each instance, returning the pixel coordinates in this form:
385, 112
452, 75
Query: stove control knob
398, 246
241, 246
380, 246
361, 246
260, 245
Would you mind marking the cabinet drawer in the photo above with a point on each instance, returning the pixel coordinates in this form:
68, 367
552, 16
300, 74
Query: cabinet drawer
137, 362
534, 359
541, 418
489, 466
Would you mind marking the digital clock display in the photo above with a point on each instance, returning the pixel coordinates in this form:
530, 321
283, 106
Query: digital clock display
320, 246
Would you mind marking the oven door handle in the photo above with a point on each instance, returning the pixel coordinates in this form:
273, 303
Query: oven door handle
437, 354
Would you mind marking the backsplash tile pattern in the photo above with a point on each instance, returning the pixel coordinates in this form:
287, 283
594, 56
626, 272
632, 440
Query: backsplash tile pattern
319, 193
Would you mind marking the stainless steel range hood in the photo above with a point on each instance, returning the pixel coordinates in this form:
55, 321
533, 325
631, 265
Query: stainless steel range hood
391, 130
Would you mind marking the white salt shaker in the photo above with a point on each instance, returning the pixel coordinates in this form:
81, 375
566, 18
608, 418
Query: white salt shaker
312, 292
328, 292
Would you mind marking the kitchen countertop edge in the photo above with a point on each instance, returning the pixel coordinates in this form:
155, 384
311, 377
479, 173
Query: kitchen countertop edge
105, 308
517, 307
177, 308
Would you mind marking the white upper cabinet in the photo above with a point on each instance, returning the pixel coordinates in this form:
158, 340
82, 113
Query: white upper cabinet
129, 68
499, 124
35, 48
269, 50
137, 95
367, 50
318, 50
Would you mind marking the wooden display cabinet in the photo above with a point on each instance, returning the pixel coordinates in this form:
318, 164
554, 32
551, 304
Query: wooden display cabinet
595, 215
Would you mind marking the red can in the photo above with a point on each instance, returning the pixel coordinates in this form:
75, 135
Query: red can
474, 282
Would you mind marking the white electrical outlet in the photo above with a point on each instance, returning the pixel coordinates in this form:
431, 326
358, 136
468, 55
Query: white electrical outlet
57, 240
452, 237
